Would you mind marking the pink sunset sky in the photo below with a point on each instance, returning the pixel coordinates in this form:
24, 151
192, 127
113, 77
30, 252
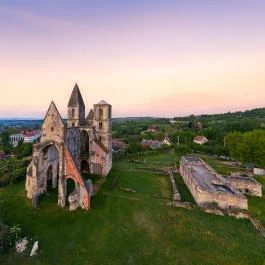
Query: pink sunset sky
146, 58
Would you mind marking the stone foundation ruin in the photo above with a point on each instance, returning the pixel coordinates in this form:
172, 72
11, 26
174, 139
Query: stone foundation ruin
208, 187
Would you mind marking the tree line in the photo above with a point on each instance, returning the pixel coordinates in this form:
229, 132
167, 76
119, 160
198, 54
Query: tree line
248, 147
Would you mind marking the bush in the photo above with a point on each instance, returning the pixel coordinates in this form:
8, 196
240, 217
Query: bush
12, 171
134, 147
19, 174
9, 236
182, 149
15, 233
4, 244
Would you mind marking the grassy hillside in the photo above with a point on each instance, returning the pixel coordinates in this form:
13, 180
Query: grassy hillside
130, 228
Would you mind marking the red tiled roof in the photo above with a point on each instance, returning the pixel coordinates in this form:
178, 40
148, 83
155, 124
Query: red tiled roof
30, 134
199, 138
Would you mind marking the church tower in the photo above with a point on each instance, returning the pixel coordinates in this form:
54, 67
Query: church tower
76, 109
102, 123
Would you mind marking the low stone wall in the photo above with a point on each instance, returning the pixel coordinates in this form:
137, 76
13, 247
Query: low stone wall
185, 205
259, 171
239, 215
176, 195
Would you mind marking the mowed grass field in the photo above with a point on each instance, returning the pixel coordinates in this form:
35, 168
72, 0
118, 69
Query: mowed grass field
130, 228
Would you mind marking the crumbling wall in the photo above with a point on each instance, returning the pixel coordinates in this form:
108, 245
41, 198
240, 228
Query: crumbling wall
245, 185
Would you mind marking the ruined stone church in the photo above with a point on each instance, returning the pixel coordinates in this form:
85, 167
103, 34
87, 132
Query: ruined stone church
65, 151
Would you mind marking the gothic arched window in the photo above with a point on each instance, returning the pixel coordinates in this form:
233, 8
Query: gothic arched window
100, 113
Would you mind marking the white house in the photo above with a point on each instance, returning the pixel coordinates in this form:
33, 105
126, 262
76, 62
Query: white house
16, 138
30, 137
25, 137
166, 141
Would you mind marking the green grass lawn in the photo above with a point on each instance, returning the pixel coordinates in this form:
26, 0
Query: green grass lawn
130, 228
257, 205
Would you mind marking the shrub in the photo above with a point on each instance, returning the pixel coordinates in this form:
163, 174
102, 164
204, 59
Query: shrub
15, 233
9, 236
182, 149
4, 243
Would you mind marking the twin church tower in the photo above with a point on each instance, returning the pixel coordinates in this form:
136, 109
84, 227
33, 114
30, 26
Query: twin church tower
97, 123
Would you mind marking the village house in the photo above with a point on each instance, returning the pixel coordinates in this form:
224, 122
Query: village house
166, 141
155, 143
25, 137
31, 136
16, 138
150, 130
200, 140
117, 145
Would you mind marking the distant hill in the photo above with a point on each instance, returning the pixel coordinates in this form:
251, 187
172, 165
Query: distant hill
20, 122
258, 113
254, 113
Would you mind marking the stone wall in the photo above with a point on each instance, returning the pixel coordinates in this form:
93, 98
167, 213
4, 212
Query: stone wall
176, 195
208, 195
259, 171
246, 185
82, 192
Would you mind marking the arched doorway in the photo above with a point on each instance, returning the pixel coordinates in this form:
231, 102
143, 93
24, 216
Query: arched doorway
72, 194
48, 179
70, 186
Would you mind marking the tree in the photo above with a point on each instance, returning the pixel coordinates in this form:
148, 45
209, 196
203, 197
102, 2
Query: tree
182, 149
247, 147
22, 150
233, 141
210, 133
134, 147
5, 142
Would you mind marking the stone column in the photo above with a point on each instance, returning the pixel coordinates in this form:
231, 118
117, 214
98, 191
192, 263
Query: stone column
54, 176
61, 179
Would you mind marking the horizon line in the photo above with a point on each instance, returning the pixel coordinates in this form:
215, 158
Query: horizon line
145, 116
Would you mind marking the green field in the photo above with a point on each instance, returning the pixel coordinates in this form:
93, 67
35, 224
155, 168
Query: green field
132, 228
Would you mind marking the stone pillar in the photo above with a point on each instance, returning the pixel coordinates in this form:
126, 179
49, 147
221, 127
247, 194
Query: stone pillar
54, 176
61, 179
34, 193
61, 191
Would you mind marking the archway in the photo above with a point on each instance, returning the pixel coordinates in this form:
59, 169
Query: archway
49, 170
70, 186
72, 194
